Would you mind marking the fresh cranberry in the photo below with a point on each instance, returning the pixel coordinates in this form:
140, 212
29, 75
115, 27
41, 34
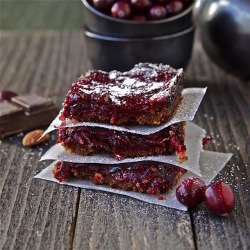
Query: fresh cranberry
187, 1
190, 192
219, 198
141, 5
174, 7
6, 95
157, 12
121, 10
161, 1
102, 4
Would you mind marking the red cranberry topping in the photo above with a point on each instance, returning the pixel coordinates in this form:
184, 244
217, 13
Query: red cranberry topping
190, 192
6, 95
147, 177
97, 178
157, 12
62, 171
120, 97
219, 198
124, 144
175, 7
121, 10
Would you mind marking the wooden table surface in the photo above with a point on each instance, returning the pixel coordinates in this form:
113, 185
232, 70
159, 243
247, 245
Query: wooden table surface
36, 214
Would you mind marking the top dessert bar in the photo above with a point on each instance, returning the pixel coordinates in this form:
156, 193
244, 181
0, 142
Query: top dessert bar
147, 94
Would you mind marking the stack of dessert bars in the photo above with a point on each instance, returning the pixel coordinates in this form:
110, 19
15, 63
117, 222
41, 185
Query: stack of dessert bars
147, 95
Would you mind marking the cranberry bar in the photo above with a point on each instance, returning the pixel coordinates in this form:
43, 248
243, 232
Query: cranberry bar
147, 94
91, 140
145, 177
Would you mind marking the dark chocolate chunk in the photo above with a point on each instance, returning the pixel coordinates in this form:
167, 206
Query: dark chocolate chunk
7, 109
24, 113
32, 102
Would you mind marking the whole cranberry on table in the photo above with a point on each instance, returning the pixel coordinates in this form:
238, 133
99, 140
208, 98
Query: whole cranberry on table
141, 10
218, 196
190, 191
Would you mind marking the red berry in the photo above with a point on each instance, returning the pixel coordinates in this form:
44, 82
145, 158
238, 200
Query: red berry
219, 198
174, 7
121, 10
157, 12
6, 95
190, 192
102, 4
141, 5
161, 1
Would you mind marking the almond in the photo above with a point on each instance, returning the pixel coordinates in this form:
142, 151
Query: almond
33, 138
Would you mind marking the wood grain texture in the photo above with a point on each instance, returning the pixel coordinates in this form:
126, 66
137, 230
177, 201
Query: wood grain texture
225, 114
31, 211
119, 222
35, 214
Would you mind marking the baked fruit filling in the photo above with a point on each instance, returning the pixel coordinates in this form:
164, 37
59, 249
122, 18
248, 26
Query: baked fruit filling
147, 94
145, 177
91, 140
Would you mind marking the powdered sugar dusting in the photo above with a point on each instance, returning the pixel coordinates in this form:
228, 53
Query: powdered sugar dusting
166, 92
145, 79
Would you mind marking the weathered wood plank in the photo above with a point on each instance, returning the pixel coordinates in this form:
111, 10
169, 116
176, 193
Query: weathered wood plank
34, 214
226, 111
31, 210
38, 215
110, 221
